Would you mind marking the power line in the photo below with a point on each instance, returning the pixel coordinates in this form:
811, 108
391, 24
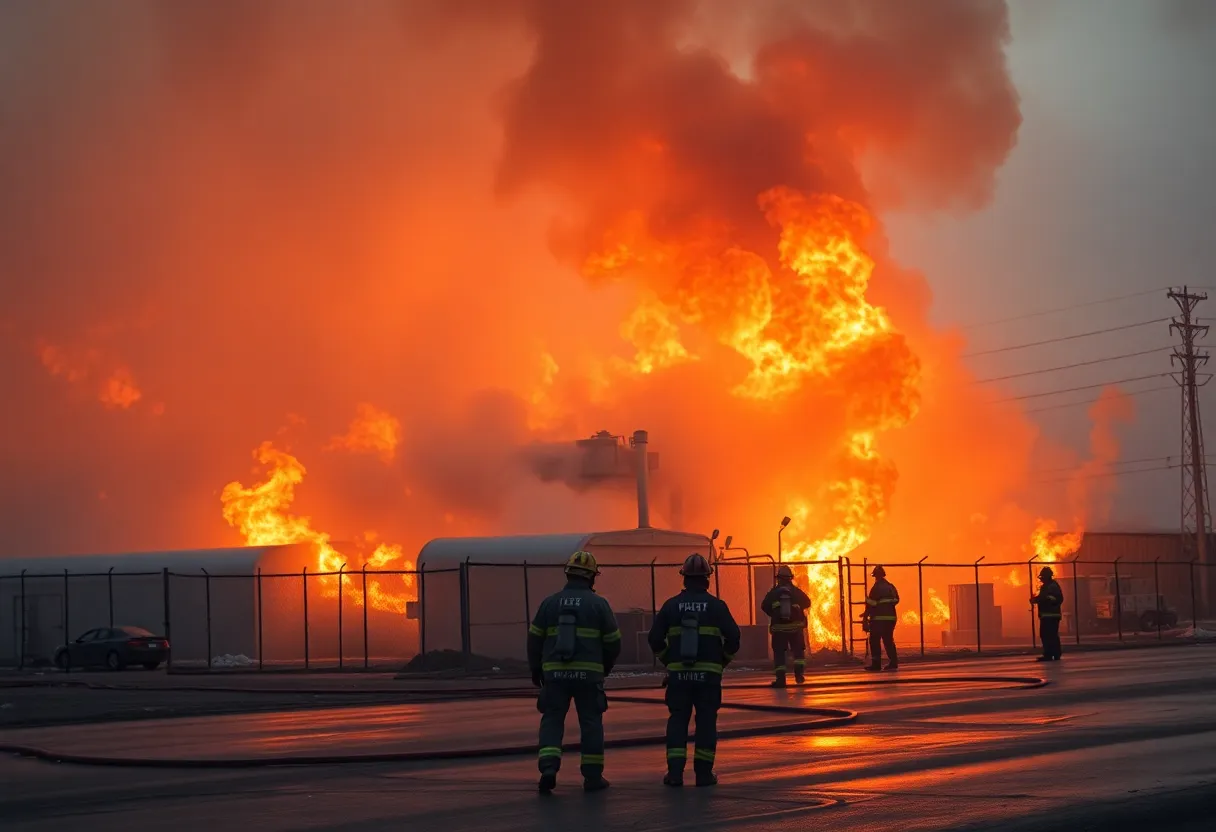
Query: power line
1070, 366
1165, 459
1065, 338
1099, 398
1082, 387
1106, 474
1089, 303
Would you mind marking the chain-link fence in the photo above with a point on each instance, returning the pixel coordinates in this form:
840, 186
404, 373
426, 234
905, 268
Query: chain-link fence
374, 619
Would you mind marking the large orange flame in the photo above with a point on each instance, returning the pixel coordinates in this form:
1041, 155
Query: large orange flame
262, 513
809, 319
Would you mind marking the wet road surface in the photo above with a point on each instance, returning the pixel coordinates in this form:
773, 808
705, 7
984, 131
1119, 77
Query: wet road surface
1123, 740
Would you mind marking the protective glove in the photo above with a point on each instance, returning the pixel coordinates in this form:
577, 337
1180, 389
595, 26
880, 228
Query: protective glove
536, 677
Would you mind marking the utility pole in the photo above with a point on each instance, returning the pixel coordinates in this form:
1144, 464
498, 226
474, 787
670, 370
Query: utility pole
1196, 509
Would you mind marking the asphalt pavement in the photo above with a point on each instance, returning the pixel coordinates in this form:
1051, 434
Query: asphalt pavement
1113, 741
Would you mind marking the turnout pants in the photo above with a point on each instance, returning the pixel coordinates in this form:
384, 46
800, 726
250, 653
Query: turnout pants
553, 702
882, 634
683, 699
1049, 632
795, 642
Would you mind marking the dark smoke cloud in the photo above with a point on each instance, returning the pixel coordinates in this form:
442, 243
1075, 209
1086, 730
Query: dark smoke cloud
290, 208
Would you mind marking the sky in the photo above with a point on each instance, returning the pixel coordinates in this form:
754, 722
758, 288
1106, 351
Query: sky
1106, 195
500, 227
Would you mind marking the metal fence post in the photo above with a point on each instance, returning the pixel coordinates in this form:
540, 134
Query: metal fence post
654, 661
527, 599
1157, 593
751, 593
1118, 600
920, 600
717, 581
110, 591
168, 618
840, 586
261, 651
341, 587
421, 576
67, 631
305, 574
207, 586
21, 662
1194, 607
1030, 578
365, 656
978, 627
1076, 603
465, 635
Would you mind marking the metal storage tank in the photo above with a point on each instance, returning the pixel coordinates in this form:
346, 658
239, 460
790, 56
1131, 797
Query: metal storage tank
505, 578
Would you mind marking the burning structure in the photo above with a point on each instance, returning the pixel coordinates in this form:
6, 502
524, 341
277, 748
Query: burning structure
677, 213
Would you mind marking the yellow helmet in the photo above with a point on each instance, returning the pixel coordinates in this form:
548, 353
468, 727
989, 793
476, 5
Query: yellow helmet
583, 564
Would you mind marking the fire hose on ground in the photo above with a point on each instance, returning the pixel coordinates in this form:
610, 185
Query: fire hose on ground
804, 718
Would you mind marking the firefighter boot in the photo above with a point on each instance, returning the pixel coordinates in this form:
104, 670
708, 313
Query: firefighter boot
597, 784
706, 777
799, 673
876, 666
779, 681
548, 781
674, 777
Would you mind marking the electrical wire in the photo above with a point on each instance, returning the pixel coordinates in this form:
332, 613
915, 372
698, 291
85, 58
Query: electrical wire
1165, 459
1070, 366
1062, 338
1080, 387
1104, 474
1083, 305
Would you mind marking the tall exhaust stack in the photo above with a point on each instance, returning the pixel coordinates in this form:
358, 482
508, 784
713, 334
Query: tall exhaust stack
643, 466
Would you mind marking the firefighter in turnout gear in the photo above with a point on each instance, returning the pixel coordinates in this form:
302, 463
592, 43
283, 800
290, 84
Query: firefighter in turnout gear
572, 645
786, 606
695, 635
881, 618
1050, 602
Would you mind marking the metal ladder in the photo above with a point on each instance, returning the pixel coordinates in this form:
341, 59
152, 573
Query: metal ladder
854, 621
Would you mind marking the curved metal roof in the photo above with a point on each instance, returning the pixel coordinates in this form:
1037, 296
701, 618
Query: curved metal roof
538, 548
446, 552
240, 560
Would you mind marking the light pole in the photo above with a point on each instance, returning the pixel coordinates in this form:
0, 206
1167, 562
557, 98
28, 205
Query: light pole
785, 521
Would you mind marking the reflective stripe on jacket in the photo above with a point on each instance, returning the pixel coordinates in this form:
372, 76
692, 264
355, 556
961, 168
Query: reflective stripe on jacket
882, 600
718, 634
799, 604
1050, 600
597, 643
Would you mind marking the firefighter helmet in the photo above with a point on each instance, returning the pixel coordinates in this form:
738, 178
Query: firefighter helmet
1045, 573
784, 573
696, 566
878, 572
583, 565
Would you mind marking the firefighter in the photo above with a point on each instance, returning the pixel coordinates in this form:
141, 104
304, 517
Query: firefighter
786, 606
572, 645
695, 635
1050, 601
880, 617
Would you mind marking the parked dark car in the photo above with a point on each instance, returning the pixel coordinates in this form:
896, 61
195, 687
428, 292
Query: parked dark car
114, 648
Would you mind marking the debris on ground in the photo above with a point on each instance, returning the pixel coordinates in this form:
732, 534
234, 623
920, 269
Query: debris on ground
229, 660
440, 660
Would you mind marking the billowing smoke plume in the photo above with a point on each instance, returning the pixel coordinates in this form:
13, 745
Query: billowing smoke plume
431, 238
